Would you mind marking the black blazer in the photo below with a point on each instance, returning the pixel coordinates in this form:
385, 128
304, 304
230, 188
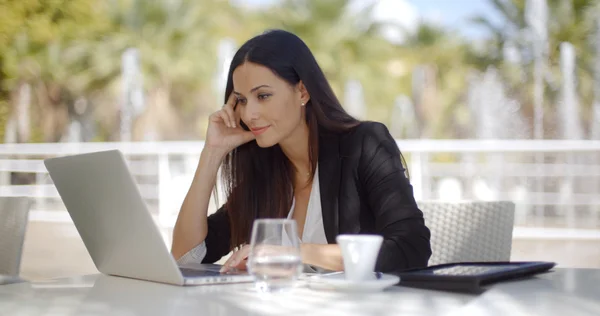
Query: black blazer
363, 191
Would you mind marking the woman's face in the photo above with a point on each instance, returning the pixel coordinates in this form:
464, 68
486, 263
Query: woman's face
268, 105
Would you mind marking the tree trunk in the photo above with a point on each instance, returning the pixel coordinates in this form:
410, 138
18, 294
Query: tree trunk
53, 113
160, 120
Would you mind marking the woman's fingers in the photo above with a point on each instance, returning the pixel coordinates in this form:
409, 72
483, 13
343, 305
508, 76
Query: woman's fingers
242, 264
237, 259
225, 117
228, 108
228, 115
227, 265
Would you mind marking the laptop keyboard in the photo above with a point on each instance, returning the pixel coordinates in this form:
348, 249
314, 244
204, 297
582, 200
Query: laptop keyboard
198, 273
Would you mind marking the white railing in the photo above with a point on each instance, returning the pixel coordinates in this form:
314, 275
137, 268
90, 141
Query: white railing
555, 184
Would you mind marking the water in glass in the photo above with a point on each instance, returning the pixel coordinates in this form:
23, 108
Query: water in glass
274, 258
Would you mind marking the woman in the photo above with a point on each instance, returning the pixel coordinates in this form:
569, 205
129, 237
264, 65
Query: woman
289, 149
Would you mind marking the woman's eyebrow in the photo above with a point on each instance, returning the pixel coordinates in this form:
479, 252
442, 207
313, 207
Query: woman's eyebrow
254, 89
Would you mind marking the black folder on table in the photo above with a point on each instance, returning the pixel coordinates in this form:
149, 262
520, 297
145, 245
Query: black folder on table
470, 276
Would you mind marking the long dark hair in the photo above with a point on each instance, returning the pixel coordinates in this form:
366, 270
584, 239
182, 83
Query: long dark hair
259, 181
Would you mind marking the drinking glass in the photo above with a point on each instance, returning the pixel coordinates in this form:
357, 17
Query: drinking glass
274, 259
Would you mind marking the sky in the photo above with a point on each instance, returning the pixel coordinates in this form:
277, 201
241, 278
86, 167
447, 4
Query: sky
448, 13
454, 13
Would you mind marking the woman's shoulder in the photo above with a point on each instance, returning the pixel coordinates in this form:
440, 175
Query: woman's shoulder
362, 138
367, 133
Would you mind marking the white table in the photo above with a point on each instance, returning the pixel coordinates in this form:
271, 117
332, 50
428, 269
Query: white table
9, 279
562, 292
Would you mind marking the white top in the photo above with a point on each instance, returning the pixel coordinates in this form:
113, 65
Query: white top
313, 233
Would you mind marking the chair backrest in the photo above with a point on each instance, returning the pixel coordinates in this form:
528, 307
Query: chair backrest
469, 231
14, 214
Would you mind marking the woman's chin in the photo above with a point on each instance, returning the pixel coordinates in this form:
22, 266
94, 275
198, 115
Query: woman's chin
264, 142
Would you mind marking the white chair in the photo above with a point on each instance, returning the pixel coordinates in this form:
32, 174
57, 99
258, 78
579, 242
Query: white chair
14, 214
469, 231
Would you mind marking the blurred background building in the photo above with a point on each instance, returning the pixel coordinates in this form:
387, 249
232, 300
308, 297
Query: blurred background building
489, 100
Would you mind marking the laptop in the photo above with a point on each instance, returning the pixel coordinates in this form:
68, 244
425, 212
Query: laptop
115, 224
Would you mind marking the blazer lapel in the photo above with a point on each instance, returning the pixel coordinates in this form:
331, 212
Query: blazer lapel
329, 181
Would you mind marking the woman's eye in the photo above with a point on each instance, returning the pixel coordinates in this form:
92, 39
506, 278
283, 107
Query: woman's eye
241, 101
263, 96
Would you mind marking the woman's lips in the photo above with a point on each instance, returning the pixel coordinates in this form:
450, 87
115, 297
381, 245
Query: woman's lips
259, 130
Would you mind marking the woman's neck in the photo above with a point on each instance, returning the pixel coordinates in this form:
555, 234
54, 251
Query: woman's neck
296, 148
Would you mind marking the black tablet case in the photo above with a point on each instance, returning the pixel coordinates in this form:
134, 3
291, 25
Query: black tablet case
471, 282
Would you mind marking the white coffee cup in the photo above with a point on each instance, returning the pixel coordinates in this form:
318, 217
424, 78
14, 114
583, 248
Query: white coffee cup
360, 254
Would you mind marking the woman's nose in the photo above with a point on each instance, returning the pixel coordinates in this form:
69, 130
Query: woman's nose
252, 110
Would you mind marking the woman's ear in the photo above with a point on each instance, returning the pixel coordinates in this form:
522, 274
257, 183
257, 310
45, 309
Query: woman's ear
304, 96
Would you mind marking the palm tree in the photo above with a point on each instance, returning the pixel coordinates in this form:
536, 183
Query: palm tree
78, 55
436, 68
177, 43
570, 21
347, 45
32, 56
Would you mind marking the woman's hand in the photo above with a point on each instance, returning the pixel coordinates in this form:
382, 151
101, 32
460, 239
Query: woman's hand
324, 256
224, 132
237, 260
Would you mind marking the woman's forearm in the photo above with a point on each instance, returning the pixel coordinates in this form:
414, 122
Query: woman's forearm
191, 226
324, 256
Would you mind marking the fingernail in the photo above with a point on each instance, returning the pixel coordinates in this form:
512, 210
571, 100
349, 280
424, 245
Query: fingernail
234, 125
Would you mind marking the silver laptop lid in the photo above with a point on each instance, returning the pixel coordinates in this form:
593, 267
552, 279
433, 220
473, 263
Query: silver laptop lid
109, 213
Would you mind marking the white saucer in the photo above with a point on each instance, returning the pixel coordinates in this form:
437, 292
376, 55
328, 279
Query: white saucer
338, 282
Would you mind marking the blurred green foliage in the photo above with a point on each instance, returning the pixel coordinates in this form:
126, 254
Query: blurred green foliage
71, 50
